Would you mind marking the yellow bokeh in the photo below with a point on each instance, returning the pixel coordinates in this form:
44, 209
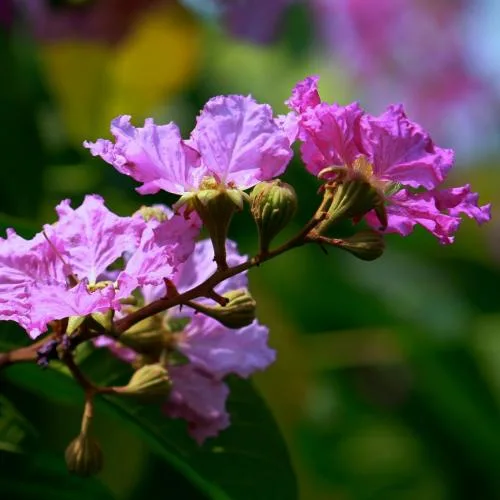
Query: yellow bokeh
92, 82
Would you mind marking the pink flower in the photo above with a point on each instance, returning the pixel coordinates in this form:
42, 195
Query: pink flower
63, 271
391, 152
236, 141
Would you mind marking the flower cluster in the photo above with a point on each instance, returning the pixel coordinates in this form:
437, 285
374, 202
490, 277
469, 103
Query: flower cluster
179, 310
392, 153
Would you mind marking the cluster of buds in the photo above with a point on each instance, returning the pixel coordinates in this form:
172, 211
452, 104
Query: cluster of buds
177, 308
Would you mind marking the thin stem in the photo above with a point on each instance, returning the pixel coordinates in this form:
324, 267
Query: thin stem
23, 354
89, 388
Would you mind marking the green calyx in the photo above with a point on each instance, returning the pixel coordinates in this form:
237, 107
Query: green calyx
273, 205
216, 208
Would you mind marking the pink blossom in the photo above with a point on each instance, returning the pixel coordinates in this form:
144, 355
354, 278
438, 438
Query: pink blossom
391, 152
64, 272
236, 141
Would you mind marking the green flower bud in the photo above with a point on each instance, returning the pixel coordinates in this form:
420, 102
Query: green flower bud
273, 205
150, 341
84, 456
150, 382
365, 245
237, 313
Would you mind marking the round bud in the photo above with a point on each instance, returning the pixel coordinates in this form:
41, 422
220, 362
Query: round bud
150, 382
365, 245
273, 205
84, 456
237, 313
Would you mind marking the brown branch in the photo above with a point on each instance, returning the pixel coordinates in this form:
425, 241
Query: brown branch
23, 354
206, 289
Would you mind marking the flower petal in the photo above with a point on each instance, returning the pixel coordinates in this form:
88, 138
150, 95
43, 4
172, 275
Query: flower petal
55, 301
154, 155
304, 95
401, 151
163, 247
93, 237
200, 400
331, 136
239, 141
221, 351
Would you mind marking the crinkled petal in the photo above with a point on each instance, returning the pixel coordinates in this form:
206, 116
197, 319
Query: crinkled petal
56, 301
304, 95
239, 141
289, 123
94, 237
331, 135
162, 249
154, 155
461, 200
198, 399
401, 151
201, 265
23, 263
220, 351
408, 209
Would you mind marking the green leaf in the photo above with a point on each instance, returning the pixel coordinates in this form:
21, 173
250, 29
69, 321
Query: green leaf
14, 428
247, 461
36, 475
30, 474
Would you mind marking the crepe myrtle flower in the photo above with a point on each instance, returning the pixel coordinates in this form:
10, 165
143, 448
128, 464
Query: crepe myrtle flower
235, 144
61, 272
210, 350
392, 155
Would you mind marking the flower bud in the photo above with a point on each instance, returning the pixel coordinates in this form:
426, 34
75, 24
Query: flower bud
84, 456
144, 341
365, 245
350, 199
273, 204
237, 313
149, 382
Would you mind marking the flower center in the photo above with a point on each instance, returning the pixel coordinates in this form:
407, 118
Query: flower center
363, 168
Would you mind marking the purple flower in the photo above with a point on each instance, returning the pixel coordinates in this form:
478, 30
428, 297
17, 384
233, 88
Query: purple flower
236, 141
63, 271
199, 392
391, 152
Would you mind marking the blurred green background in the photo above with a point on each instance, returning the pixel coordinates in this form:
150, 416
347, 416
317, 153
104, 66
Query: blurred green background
387, 384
